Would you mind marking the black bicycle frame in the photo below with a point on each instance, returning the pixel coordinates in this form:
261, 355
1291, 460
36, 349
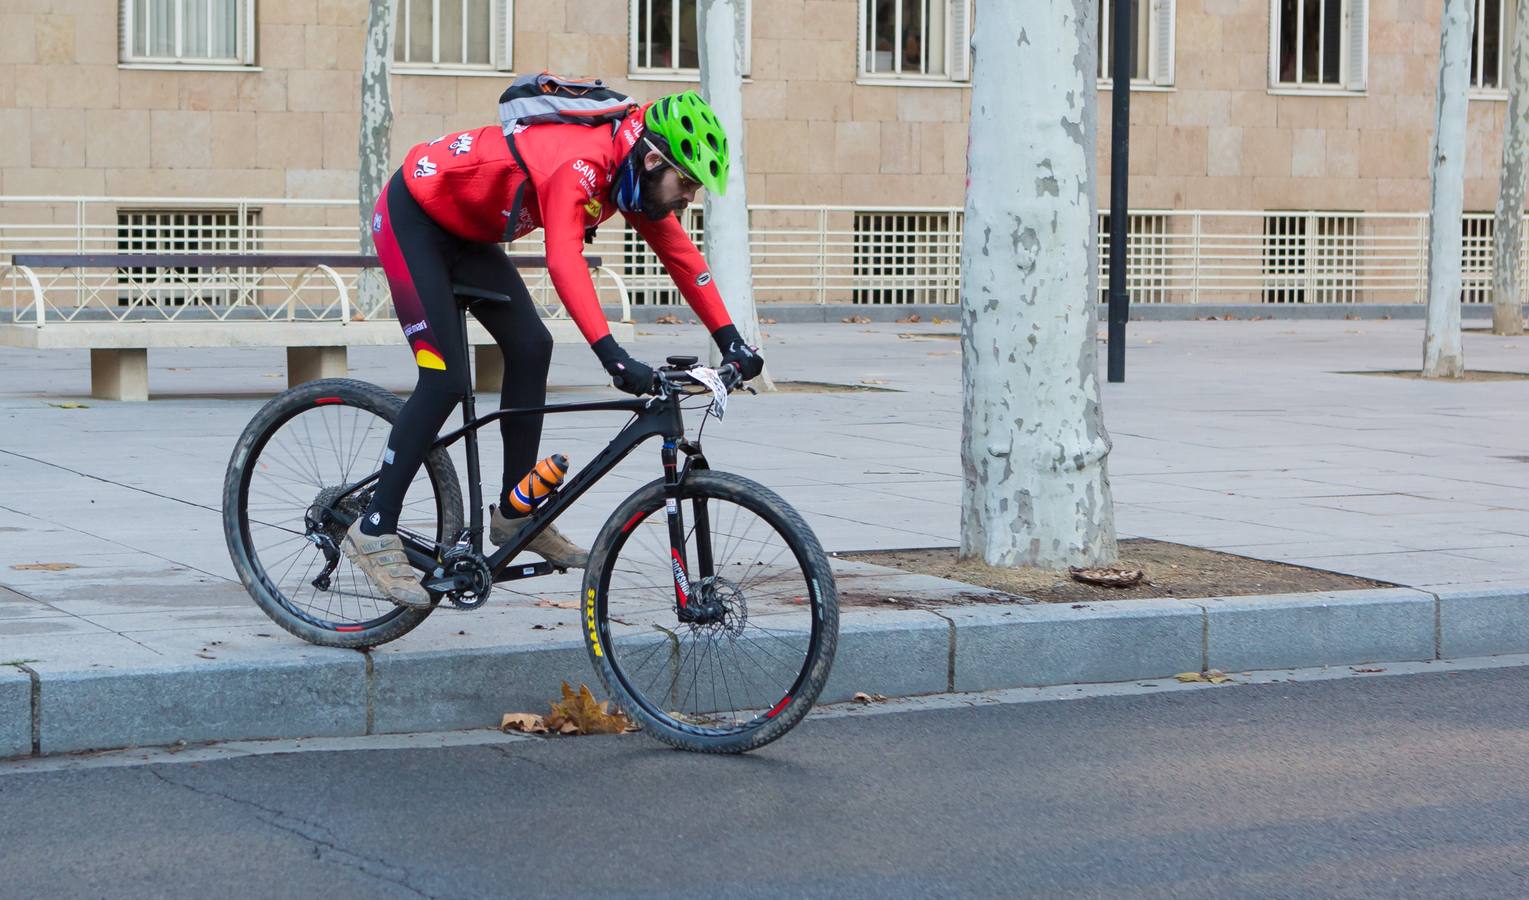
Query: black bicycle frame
653, 417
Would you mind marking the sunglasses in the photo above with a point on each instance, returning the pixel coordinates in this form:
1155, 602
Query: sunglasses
686, 182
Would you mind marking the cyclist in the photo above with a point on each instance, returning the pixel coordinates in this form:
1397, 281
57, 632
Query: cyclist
441, 219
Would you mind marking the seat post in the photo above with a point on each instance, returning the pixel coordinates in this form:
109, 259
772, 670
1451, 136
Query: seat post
469, 413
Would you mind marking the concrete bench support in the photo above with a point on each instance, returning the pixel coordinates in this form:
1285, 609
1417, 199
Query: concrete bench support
488, 363
306, 364
119, 374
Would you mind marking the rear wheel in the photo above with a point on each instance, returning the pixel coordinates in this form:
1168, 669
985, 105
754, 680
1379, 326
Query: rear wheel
765, 614
285, 510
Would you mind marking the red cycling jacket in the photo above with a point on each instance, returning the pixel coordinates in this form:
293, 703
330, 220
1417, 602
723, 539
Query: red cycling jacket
471, 185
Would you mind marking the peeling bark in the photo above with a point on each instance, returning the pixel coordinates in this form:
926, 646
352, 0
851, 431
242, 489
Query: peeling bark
722, 29
1443, 355
376, 149
1033, 444
1507, 293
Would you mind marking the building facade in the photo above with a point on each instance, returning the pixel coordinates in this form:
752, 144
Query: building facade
1315, 107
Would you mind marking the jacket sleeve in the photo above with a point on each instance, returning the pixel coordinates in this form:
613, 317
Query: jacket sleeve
563, 196
685, 265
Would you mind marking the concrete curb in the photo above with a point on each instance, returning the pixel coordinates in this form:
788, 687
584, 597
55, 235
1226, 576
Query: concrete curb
896, 653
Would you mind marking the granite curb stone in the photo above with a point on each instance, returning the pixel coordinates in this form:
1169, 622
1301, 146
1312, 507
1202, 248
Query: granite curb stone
895, 653
1327, 629
15, 712
899, 656
1021, 646
244, 701
1483, 622
447, 690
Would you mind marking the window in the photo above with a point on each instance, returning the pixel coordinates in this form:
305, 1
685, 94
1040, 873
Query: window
454, 34
1310, 258
1478, 232
906, 257
206, 32
1318, 44
183, 231
917, 39
1153, 35
1149, 261
1492, 45
664, 39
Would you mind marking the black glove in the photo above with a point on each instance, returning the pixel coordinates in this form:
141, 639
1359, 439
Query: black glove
740, 354
626, 373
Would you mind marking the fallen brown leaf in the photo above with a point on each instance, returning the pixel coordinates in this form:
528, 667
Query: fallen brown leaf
1189, 676
580, 713
1369, 670
910, 320
70, 405
670, 319
1107, 576
44, 567
767, 321
526, 723
856, 320
863, 698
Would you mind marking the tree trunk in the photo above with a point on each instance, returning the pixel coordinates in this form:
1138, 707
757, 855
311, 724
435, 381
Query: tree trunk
376, 151
723, 27
1443, 356
1507, 302
1033, 443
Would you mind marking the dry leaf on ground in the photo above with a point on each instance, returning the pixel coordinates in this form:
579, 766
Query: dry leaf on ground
1214, 676
44, 567
580, 713
1107, 576
557, 604
856, 320
670, 319
70, 405
863, 698
525, 723
1369, 670
910, 320
767, 321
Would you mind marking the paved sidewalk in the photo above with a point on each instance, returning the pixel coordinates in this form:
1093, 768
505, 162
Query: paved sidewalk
1242, 436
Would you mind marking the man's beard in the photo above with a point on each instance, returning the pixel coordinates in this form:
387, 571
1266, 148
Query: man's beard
650, 180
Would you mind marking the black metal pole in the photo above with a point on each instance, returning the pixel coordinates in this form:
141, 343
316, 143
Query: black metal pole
1120, 169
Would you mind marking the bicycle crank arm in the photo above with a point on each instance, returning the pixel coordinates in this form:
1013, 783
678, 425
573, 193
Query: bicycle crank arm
526, 570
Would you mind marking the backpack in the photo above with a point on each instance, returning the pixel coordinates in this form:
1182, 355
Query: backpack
538, 99
535, 99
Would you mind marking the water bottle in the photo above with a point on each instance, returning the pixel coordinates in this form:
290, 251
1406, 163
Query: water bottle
539, 484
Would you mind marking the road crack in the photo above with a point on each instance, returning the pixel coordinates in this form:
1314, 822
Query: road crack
326, 846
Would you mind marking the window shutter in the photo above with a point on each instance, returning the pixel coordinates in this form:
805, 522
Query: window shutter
124, 30
503, 12
247, 45
1359, 43
1162, 62
1273, 42
960, 40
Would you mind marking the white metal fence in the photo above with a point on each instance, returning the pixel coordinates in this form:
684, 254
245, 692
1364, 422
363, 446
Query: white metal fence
803, 254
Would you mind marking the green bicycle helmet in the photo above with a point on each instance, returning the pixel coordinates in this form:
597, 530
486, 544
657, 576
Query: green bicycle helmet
695, 138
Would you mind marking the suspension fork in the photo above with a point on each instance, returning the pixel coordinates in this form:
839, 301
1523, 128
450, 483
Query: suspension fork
688, 606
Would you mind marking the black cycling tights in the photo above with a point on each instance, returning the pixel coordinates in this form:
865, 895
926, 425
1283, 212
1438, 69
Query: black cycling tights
422, 261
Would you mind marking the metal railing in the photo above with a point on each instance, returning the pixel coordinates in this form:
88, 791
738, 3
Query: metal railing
804, 254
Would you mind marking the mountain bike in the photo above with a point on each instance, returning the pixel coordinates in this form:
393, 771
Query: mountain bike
708, 607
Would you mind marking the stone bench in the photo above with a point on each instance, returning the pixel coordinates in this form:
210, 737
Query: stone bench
316, 348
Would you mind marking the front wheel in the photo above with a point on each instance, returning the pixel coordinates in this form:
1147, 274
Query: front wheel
728, 651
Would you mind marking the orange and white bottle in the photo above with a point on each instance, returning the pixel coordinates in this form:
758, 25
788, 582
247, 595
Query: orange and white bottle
539, 484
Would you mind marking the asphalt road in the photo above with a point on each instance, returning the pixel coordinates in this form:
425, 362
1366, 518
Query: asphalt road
1386, 786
